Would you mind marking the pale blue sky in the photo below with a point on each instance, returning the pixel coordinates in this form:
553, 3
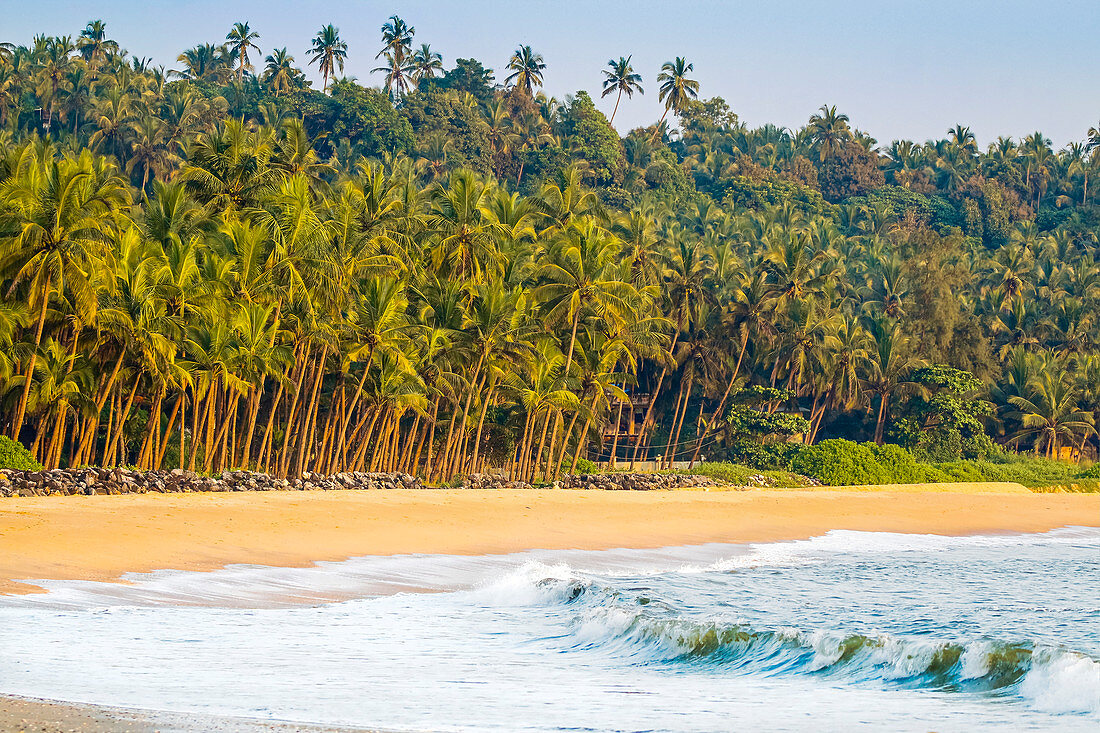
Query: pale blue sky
899, 68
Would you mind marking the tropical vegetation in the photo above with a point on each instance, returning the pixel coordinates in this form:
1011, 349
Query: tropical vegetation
217, 265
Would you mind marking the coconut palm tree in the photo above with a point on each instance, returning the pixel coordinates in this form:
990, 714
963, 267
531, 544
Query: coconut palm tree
1049, 412
676, 89
829, 130
619, 79
526, 67
280, 71
328, 52
241, 39
426, 63
59, 213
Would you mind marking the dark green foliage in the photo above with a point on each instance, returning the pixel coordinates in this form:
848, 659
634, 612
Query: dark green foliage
589, 136
849, 171
839, 462
468, 75
366, 117
946, 422
755, 435
443, 114
14, 455
743, 192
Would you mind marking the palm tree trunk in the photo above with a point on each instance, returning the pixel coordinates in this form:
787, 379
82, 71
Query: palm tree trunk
21, 409
722, 403
618, 429
480, 424
541, 445
683, 415
618, 98
675, 419
311, 414
122, 419
884, 399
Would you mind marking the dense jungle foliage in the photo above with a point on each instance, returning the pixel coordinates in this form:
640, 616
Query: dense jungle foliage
219, 265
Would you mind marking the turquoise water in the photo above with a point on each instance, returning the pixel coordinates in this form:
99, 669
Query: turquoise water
847, 631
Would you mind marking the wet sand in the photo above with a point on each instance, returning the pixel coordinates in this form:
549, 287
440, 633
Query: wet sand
104, 537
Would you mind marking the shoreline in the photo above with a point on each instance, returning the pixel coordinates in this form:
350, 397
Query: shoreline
18, 713
102, 538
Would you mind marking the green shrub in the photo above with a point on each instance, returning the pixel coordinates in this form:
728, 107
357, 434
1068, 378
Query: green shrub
838, 462
585, 466
902, 468
1093, 472
14, 455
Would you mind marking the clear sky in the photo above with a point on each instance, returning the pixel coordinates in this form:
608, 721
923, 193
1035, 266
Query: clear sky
898, 68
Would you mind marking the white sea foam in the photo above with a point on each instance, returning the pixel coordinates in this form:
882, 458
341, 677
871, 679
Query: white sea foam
1063, 682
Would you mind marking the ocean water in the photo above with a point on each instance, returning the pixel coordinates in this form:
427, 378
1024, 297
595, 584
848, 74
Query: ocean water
848, 631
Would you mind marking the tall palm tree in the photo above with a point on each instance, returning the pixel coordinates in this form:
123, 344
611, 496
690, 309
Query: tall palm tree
241, 39
58, 214
676, 88
621, 78
526, 67
328, 52
94, 46
397, 38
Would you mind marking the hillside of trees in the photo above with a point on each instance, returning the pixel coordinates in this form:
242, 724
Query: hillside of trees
219, 265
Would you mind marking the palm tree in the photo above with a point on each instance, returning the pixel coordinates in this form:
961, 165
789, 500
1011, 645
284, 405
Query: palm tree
621, 78
1049, 412
828, 130
887, 367
94, 45
526, 67
328, 52
676, 88
58, 213
426, 63
397, 38
398, 73
241, 39
280, 71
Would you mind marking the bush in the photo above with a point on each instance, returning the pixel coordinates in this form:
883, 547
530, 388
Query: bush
838, 462
1093, 472
903, 468
14, 455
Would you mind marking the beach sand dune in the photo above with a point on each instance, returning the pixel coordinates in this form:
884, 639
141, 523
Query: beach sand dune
104, 537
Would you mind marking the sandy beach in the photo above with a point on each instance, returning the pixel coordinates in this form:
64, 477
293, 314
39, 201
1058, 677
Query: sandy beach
104, 537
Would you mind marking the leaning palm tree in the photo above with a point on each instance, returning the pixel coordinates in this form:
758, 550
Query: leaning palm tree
241, 39
676, 88
621, 78
328, 52
526, 67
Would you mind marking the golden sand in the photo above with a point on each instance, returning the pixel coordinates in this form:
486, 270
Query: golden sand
103, 537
